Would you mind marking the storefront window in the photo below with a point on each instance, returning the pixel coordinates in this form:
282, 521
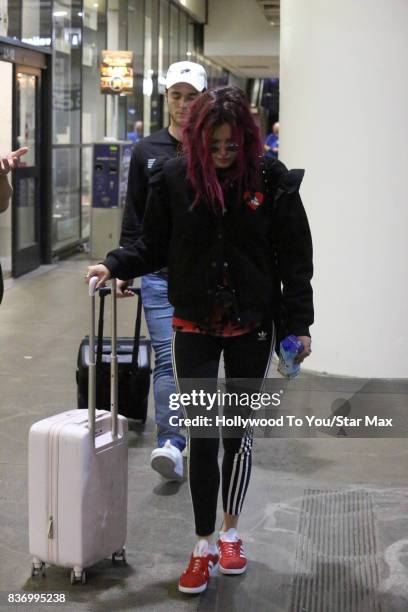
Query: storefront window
164, 60
36, 22
117, 22
27, 20
155, 37
26, 88
86, 191
151, 111
10, 18
26, 196
6, 80
136, 44
66, 121
183, 36
191, 50
93, 42
163, 43
66, 201
174, 33
66, 87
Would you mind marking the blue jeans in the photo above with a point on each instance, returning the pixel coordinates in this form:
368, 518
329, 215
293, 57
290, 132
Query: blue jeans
159, 314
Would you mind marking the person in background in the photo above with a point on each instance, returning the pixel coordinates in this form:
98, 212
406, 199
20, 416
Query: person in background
233, 231
137, 134
7, 164
271, 146
184, 82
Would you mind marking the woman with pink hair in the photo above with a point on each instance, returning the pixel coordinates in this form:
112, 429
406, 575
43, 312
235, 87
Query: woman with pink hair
233, 232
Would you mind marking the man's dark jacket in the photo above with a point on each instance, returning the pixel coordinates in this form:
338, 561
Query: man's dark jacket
147, 154
265, 250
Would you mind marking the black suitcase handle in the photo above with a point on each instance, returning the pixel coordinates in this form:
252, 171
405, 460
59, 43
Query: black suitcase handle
103, 292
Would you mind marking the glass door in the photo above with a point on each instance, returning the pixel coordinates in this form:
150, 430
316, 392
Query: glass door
26, 178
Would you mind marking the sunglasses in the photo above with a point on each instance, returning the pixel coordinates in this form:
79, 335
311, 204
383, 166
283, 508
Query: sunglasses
232, 147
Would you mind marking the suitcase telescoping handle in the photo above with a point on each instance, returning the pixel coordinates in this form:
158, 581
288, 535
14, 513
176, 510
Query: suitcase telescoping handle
103, 292
92, 362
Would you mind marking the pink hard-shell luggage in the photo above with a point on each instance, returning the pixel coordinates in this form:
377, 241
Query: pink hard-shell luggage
78, 475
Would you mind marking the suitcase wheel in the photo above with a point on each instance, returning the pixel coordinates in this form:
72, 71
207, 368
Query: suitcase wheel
37, 569
119, 556
78, 576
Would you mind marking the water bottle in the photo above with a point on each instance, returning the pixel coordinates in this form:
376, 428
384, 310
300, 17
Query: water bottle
290, 347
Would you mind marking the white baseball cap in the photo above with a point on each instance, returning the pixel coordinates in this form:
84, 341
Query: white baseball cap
187, 72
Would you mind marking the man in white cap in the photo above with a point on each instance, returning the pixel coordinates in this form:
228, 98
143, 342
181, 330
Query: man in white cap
184, 82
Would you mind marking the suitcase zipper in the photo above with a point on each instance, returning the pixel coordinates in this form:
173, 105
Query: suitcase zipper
53, 491
50, 464
50, 528
51, 495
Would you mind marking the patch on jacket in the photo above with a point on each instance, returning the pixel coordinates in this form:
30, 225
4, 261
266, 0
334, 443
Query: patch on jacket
254, 200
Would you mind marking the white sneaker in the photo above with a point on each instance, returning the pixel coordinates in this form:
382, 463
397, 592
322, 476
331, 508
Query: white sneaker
168, 461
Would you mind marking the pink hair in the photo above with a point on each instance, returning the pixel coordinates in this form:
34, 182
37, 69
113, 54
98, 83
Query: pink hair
210, 110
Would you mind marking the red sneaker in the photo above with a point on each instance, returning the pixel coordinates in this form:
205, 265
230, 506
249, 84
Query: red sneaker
232, 556
195, 578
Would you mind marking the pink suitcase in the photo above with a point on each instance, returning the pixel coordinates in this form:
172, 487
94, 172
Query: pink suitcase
78, 472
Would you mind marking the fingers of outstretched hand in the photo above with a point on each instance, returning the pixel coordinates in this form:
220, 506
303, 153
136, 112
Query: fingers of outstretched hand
4, 165
124, 293
20, 152
101, 272
121, 289
12, 161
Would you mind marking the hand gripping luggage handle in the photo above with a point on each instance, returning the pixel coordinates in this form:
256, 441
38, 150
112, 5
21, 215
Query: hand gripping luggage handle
92, 362
103, 292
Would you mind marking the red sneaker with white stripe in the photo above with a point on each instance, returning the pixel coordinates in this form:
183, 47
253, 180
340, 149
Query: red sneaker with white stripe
232, 556
195, 578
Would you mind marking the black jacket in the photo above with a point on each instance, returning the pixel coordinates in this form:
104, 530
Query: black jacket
148, 153
265, 250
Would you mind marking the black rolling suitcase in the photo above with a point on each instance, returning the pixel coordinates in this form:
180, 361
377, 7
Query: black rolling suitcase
134, 369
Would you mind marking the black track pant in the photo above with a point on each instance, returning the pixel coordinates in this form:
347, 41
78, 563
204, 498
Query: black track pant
197, 356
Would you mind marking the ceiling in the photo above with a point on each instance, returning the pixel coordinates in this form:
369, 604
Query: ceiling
271, 11
250, 66
247, 44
